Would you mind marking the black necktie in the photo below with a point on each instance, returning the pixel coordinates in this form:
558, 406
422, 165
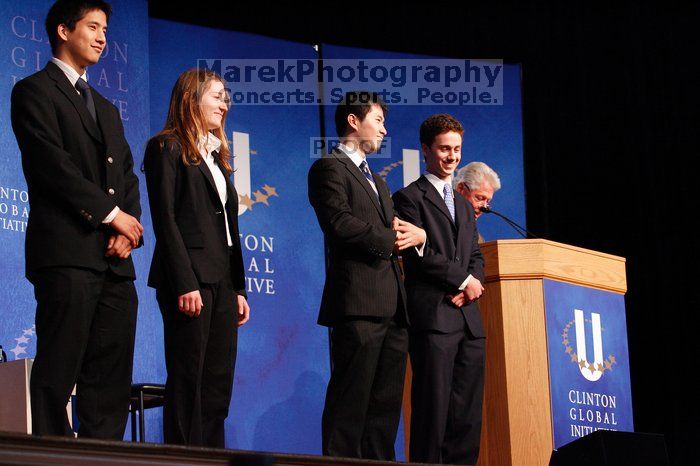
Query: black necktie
82, 86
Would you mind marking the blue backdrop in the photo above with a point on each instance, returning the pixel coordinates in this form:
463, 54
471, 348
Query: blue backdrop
283, 364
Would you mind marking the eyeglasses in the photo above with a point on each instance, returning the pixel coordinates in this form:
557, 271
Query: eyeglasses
482, 200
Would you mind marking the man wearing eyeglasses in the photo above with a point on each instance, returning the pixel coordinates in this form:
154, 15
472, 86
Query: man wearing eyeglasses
477, 183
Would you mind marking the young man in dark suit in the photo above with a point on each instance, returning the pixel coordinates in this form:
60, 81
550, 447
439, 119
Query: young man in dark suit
363, 298
446, 341
82, 227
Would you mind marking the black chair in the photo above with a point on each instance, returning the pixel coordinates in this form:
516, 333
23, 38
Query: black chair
144, 396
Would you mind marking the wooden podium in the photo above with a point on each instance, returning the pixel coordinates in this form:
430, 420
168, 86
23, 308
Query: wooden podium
15, 402
15, 408
517, 429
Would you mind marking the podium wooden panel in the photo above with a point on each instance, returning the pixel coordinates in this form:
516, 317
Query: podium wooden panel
517, 429
15, 408
15, 401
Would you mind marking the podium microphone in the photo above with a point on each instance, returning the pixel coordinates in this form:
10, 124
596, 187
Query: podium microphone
521, 231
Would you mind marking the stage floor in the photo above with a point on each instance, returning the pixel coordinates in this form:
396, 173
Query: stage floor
21, 449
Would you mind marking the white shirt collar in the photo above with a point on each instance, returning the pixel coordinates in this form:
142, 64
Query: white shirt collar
353, 154
437, 182
69, 71
208, 144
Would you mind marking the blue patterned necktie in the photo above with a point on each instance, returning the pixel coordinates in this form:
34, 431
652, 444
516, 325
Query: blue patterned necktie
449, 200
368, 174
84, 88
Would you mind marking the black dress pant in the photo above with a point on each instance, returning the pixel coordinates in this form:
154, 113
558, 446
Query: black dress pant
200, 355
446, 397
363, 400
85, 325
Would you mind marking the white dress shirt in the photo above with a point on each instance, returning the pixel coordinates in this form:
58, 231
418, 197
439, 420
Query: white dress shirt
206, 146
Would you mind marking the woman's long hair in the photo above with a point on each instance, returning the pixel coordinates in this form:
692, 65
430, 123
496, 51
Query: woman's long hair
186, 121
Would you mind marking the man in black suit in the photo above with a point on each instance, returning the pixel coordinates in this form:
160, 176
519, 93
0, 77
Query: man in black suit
363, 298
446, 343
82, 227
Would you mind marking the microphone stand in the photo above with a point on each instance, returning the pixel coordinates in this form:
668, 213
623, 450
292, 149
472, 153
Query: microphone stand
520, 230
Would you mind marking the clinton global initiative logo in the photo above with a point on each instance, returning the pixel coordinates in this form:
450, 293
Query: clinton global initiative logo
591, 370
20, 349
247, 198
385, 171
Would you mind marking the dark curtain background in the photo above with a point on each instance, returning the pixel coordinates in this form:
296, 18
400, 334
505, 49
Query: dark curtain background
610, 124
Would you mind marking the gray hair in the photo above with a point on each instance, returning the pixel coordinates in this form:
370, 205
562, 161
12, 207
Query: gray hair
474, 174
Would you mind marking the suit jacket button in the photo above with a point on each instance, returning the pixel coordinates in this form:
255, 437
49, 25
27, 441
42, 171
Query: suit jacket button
457, 259
110, 190
110, 160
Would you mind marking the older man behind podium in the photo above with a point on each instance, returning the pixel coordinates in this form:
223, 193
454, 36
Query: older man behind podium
477, 183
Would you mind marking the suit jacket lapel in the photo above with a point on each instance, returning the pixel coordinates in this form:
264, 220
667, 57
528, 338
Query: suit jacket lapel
434, 198
232, 196
357, 174
204, 168
231, 207
102, 110
462, 220
63, 84
384, 198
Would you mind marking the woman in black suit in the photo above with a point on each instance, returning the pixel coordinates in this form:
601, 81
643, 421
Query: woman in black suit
197, 267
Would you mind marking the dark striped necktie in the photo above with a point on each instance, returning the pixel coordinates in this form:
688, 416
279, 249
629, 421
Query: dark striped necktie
84, 88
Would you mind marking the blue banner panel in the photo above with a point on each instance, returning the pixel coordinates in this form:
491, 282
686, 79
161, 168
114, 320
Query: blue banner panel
122, 77
588, 361
493, 126
283, 365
